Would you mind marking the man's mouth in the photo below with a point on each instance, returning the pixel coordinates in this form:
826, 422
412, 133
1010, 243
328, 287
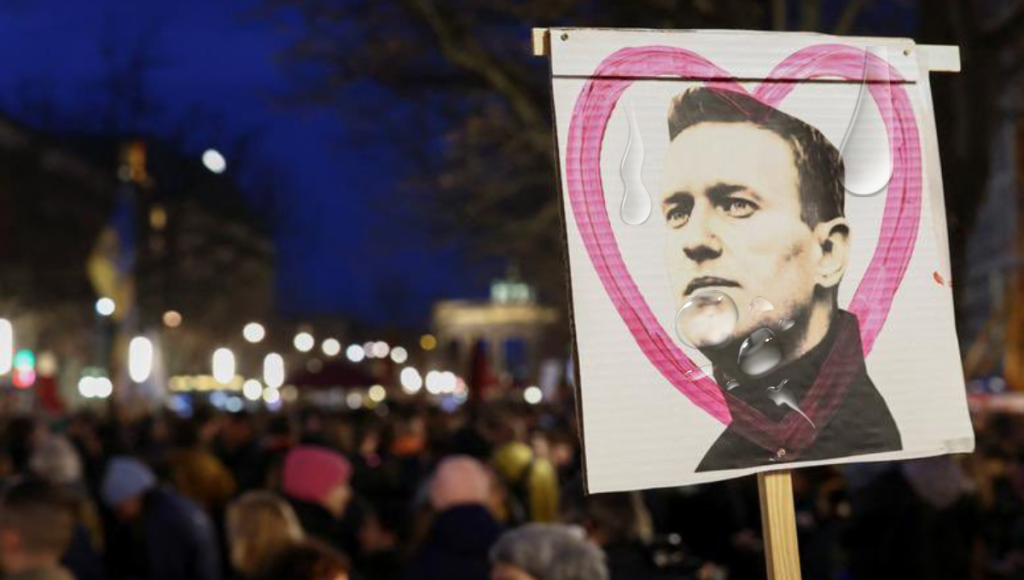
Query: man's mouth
708, 282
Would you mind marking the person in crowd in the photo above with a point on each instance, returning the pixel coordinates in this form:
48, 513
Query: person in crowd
238, 449
197, 473
260, 525
316, 482
379, 555
547, 552
159, 533
620, 524
35, 529
274, 447
308, 560
23, 433
313, 424
529, 481
463, 530
83, 432
415, 511
917, 520
531, 484
56, 462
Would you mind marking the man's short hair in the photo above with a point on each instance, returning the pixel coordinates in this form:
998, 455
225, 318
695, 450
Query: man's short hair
818, 163
40, 514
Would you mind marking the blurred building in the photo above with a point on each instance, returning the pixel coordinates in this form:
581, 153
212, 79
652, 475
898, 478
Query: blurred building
81, 216
52, 205
512, 330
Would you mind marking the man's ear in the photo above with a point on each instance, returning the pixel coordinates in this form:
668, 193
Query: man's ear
834, 240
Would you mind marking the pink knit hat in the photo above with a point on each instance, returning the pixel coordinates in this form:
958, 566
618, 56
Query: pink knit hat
311, 472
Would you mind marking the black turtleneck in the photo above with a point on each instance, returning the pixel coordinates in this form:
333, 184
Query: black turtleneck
857, 422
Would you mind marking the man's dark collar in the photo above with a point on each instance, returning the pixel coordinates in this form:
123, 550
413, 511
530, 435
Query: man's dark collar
819, 380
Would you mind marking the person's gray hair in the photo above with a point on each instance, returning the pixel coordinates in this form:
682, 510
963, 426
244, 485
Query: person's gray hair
56, 461
551, 552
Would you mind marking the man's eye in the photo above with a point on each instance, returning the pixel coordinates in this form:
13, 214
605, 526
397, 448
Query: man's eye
677, 217
739, 208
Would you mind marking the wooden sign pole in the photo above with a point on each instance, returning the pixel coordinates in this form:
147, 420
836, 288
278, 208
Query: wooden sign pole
778, 517
778, 525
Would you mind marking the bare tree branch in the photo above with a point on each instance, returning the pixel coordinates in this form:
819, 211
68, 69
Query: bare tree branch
1010, 29
810, 15
467, 52
849, 16
779, 10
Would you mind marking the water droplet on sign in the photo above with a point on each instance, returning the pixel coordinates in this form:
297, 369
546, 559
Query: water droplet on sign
707, 319
759, 306
780, 395
732, 384
636, 202
760, 353
785, 324
865, 151
699, 372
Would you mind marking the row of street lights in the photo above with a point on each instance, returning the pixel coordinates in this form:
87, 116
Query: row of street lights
141, 353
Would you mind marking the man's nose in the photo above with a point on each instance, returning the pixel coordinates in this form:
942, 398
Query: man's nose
700, 242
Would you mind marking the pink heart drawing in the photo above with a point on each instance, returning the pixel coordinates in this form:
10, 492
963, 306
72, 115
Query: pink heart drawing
874, 295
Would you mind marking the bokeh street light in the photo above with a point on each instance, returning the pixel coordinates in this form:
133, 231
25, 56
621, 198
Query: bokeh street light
331, 347
140, 358
6, 346
399, 355
355, 353
377, 393
46, 365
271, 395
223, 365
87, 387
273, 370
254, 332
428, 342
354, 400
304, 342
252, 390
448, 381
172, 319
214, 161
434, 382
95, 387
533, 395
24, 369
105, 306
381, 349
411, 380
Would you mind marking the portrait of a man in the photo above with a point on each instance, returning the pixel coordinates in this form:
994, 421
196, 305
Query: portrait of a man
753, 206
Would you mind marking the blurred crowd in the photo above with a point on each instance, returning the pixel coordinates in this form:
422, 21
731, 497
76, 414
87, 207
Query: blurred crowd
408, 492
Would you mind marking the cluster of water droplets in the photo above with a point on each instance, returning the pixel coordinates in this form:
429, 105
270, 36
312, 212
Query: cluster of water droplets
867, 159
709, 320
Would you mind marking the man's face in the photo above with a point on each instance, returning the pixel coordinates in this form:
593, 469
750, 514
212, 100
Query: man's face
731, 202
338, 499
129, 509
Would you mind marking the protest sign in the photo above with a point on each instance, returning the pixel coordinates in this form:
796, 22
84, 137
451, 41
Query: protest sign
757, 252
